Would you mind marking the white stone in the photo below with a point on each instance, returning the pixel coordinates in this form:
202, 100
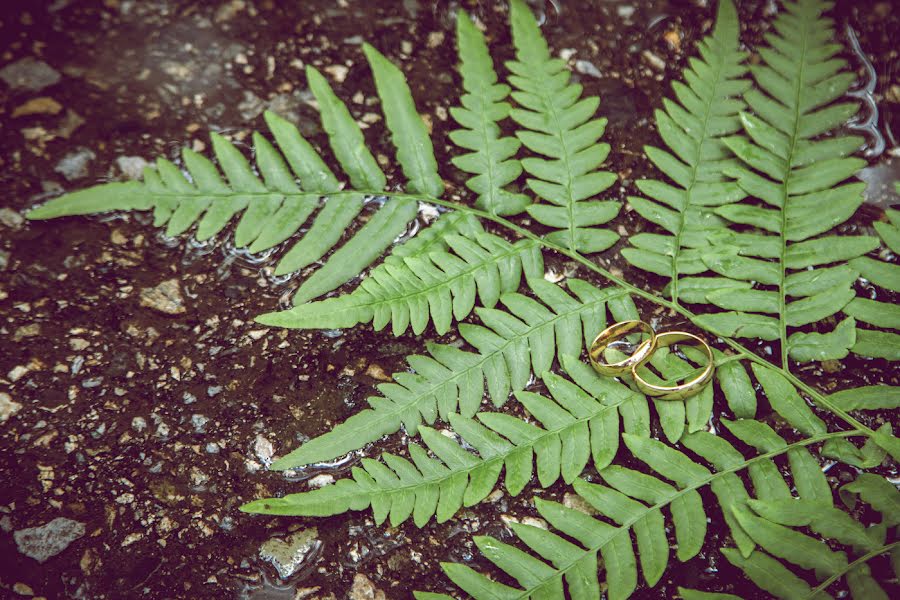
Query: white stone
8, 408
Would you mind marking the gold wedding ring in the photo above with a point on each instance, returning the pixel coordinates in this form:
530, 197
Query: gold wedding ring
687, 389
617, 333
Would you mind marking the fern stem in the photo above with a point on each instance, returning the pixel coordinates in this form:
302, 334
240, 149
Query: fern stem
859, 561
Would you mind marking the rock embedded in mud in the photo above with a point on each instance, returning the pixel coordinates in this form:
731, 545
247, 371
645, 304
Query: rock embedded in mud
30, 74
165, 298
74, 165
48, 540
10, 218
132, 167
364, 589
263, 449
8, 408
288, 554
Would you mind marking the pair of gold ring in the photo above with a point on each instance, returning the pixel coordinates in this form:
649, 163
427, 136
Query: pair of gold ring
642, 353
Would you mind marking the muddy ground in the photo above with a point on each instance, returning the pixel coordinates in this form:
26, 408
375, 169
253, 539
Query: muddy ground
146, 421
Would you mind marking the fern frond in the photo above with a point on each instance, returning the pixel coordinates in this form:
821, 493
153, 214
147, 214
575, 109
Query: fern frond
451, 379
771, 523
886, 315
483, 106
571, 426
798, 178
558, 126
692, 128
438, 286
634, 501
276, 205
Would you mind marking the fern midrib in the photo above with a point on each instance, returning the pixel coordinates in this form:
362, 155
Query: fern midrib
501, 457
819, 399
849, 567
627, 525
694, 170
782, 297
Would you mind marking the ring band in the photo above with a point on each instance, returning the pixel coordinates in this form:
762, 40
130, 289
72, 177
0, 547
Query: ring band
685, 390
614, 333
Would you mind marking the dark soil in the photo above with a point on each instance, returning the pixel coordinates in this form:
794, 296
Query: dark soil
152, 428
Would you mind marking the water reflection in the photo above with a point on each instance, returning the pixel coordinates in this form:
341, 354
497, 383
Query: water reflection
867, 121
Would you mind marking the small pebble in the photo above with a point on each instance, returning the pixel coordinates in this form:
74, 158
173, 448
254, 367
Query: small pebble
29, 74
8, 408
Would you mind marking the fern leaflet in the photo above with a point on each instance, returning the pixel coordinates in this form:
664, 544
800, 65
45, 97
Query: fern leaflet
770, 524
871, 342
482, 108
579, 423
558, 126
436, 286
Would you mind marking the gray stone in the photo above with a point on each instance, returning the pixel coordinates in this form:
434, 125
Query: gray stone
131, 166
8, 408
586, 67
364, 589
10, 218
48, 540
74, 165
30, 74
166, 298
199, 422
288, 554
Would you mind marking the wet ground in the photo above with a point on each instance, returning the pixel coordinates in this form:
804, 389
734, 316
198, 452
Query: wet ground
150, 401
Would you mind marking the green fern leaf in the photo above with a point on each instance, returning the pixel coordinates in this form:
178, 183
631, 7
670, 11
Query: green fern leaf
274, 207
797, 177
437, 286
483, 106
869, 456
576, 424
559, 127
872, 397
769, 574
414, 149
890, 230
771, 525
634, 501
692, 128
452, 379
